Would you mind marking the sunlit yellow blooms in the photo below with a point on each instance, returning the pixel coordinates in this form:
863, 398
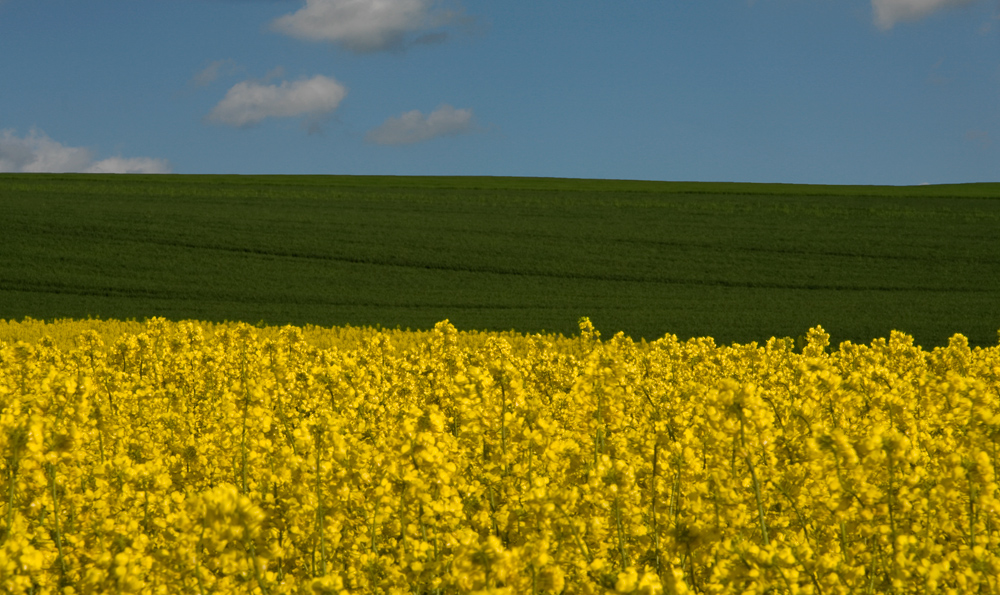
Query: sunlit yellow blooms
165, 457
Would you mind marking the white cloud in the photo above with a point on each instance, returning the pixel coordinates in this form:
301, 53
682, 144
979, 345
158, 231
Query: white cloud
414, 127
890, 12
129, 165
37, 153
366, 25
250, 102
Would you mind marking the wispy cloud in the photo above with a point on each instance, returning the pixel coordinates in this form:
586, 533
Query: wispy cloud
980, 138
213, 71
36, 153
250, 102
987, 27
414, 127
890, 12
936, 77
364, 26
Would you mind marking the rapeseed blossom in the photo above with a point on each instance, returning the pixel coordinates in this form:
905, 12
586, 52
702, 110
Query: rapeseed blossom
179, 457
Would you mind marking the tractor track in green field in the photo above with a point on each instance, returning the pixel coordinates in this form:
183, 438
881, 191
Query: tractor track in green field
406, 264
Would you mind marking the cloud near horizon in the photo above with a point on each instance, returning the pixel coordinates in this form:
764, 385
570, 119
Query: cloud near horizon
250, 102
414, 127
365, 26
37, 153
890, 12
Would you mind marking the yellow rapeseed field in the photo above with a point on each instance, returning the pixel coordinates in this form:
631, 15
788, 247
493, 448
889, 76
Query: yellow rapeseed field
166, 457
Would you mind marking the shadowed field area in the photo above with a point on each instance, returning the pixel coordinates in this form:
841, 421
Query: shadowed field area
737, 262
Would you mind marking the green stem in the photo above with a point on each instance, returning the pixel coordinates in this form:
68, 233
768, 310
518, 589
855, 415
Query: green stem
576, 534
145, 506
374, 514
843, 541
319, 507
621, 535
530, 484
972, 513
493, 510
243, 439
197, 565
656, 532
252, 555
675, 497
18, 439
892, 501
756, 484
791, 502
503, 421
55, 516
10, 505
423, 528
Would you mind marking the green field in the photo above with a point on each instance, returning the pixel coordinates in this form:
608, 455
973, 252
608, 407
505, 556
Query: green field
738, 262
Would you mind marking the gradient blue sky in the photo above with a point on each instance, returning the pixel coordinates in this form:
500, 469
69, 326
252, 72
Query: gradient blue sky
798, 91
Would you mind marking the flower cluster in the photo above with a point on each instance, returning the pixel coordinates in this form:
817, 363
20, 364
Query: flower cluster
175, 457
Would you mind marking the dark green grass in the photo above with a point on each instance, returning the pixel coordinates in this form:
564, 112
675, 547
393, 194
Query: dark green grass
738, 262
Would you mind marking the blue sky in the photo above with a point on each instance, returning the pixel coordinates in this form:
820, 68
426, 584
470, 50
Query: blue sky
796, 91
